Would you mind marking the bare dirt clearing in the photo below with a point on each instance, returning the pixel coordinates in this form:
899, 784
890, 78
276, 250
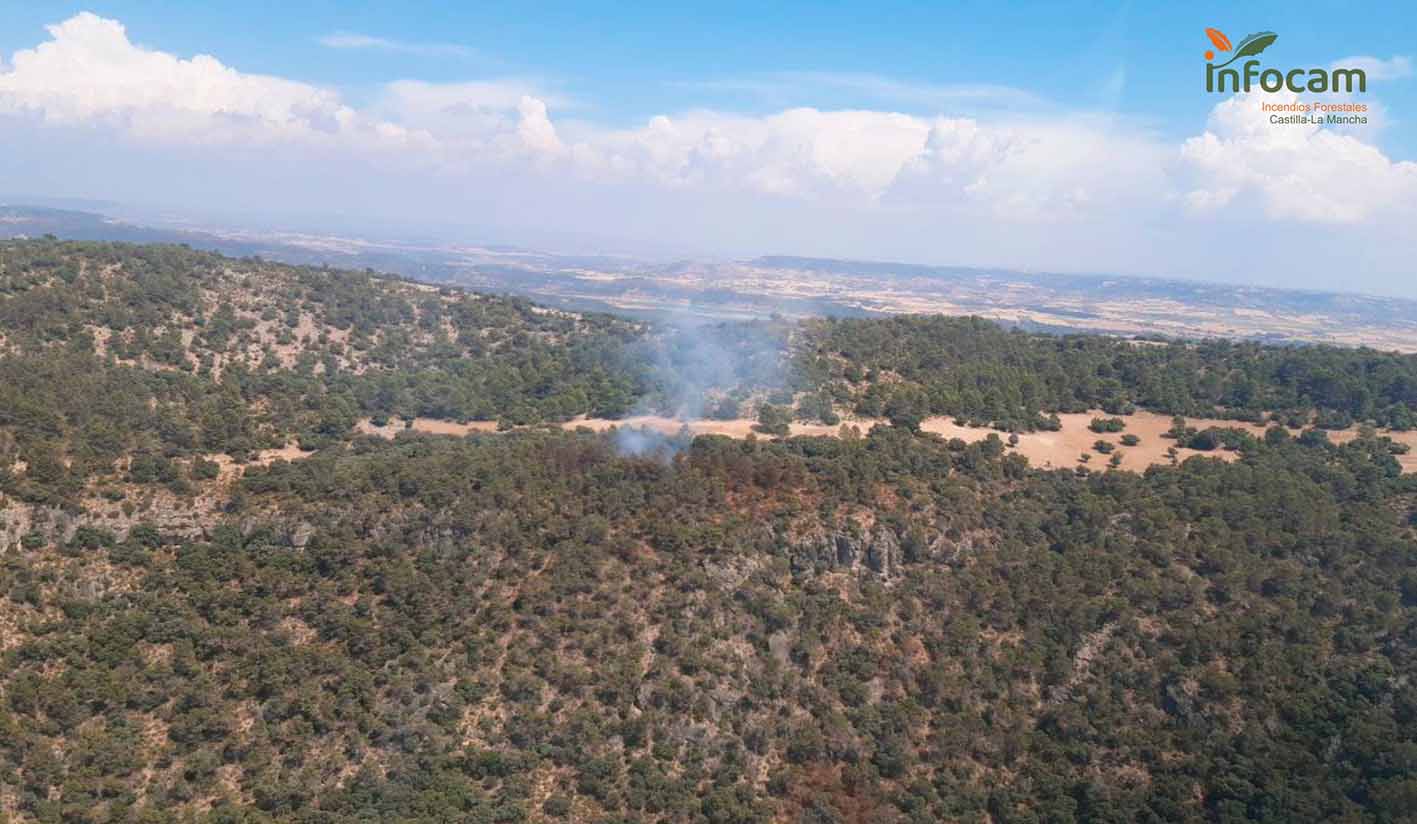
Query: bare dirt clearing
229, 469
430, 426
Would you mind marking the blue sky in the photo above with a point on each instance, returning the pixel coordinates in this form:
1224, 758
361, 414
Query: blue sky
505, 119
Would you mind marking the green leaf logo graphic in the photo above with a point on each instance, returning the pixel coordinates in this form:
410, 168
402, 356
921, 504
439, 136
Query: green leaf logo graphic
1252, 46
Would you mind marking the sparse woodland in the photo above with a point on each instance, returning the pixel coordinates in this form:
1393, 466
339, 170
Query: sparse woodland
529, 626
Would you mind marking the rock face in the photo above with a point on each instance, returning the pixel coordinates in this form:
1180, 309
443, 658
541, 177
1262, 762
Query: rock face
875, 552
883, 553
301, 535
55, 525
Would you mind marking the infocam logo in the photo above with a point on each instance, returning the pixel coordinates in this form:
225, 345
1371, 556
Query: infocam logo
1218, 78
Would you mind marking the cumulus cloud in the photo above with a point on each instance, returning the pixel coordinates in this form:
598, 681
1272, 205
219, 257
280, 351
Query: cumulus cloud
477, 122
800, 152
89, 71
534, 127
1033, 170
1303, 172
1019, 169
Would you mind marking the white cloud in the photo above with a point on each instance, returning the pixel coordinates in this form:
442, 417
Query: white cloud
1044, 168
800, 152
1034, 170
1303, 172
89, 71
482, 121
1019, 170
534, 127
353, 40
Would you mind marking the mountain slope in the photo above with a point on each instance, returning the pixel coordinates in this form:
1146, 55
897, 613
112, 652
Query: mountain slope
200, 620
529, 627
230, 355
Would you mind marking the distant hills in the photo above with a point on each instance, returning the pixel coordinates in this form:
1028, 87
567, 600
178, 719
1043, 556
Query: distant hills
802, 286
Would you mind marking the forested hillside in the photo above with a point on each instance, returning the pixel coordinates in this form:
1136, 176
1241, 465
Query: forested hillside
112, 351
532, 628
203, 621
976, 370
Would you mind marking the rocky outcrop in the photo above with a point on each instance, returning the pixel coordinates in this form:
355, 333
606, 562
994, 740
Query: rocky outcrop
302, 533
173, 517
875, 552
883, 555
